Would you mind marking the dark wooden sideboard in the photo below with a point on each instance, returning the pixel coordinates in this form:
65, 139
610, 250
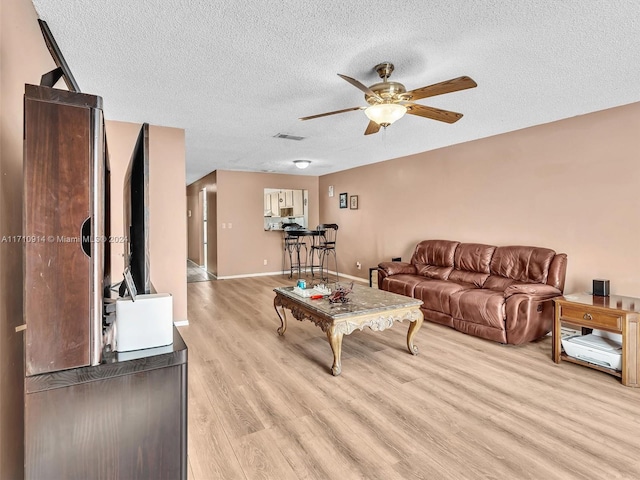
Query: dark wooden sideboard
123, 419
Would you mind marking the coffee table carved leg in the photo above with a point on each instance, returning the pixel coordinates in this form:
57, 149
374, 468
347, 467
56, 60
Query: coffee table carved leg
335, 340
283, 318
413, 329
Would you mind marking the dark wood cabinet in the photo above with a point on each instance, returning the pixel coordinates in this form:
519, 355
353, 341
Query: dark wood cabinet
65, 210
123, 419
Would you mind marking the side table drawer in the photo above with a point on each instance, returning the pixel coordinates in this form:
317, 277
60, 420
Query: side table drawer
589, 318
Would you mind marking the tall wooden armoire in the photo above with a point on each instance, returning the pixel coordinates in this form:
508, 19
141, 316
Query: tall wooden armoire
66, 275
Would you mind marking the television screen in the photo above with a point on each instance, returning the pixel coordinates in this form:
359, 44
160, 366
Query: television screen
136, 215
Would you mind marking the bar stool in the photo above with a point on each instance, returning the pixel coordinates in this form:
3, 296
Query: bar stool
325, 246
292, 246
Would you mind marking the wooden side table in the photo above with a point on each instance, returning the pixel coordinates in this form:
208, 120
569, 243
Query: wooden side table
371, 270
615, 314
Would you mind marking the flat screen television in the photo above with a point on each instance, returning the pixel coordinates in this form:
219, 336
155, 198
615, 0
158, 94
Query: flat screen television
136, 216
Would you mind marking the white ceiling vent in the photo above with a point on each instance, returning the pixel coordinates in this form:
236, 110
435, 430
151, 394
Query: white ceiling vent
288, 137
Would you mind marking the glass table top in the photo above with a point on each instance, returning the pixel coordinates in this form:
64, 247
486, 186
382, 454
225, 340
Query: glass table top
618, 302
363, 300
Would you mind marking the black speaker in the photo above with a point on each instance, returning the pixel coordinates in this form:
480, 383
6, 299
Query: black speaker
600, 287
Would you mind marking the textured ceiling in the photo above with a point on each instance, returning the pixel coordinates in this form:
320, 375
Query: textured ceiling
234, 73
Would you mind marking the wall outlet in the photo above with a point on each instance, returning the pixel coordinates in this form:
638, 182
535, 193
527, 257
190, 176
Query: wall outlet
224, 225
229, 225
265, 261
359, 265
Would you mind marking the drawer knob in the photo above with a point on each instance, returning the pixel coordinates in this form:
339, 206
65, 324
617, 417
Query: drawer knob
587, 316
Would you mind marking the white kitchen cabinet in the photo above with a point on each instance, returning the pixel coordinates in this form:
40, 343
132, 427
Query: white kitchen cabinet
298, 203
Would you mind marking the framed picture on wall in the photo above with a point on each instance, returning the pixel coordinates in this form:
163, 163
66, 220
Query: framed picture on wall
343, 200
354, 202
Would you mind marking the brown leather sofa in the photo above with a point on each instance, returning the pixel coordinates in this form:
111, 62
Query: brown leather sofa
498, 293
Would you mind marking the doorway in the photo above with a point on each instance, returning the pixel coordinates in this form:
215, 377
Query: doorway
203, 202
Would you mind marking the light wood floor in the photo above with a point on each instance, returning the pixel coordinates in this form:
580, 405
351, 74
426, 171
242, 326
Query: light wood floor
266, 407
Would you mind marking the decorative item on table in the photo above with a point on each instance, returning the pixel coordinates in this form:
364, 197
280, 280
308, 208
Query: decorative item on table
323, 289
339, 295
317, 292
601, 287
302, 284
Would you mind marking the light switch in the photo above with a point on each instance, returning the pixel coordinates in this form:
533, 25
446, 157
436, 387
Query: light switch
229, 225
224, 225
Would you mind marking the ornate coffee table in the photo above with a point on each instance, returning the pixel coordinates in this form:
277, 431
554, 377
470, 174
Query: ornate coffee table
368, 307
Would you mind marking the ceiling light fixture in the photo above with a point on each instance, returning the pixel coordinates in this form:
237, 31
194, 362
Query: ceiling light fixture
384, 114
302, 163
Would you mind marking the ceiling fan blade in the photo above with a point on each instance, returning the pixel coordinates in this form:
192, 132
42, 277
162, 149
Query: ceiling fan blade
332, 113
433, 113
373, 127
453, 85
360, 86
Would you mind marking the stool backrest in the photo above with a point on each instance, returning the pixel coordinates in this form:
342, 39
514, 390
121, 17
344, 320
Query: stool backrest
288, 227
329, 234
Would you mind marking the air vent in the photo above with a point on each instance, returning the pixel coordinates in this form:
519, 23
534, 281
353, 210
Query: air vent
288, 137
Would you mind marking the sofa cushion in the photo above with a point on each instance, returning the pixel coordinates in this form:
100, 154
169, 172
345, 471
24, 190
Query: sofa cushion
403, 284
479, 305
471, 263
500, 284
433, 271
534, 290
434, 258
395, 268
523, 264
435, 293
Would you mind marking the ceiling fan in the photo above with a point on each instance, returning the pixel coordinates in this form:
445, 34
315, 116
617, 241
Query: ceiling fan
389, 101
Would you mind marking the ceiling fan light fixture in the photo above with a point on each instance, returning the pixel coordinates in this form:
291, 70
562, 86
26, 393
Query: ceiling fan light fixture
384, 114
302, 163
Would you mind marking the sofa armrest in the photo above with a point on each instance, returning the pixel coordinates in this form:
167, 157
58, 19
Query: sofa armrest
529, 311
395, 268
538, 290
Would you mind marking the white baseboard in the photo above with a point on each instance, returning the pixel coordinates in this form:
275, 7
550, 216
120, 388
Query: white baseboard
247, 275
181, 323
267, 274
350, 277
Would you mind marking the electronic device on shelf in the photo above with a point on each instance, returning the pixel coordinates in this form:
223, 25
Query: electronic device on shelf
599, 347
136, 216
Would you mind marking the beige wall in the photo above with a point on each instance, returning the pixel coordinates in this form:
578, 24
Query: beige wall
242, 249
570, 185
23, 59
168, 215
167, 235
